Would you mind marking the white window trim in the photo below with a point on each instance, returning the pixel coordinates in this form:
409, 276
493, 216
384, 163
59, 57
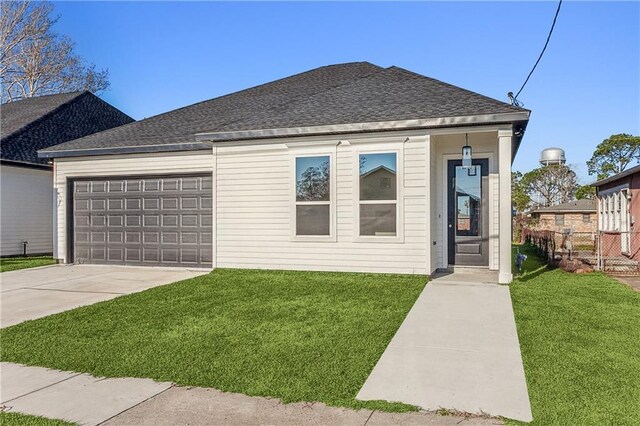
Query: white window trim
443, 229
314, 152
399, 202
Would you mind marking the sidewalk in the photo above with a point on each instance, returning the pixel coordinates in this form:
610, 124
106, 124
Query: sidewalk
88, 400
457, 349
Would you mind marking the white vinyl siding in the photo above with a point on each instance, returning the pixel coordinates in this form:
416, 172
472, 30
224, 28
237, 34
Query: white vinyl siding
494, 214
120, 165
26, 208
255, 198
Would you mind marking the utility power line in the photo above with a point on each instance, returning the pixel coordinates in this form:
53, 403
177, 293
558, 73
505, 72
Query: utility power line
514, 99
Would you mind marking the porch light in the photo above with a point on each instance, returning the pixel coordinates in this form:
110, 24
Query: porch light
466, 153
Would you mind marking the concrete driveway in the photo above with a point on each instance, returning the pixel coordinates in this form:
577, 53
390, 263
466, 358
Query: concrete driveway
33, 293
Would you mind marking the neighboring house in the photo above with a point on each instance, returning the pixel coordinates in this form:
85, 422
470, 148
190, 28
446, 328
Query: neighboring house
577, 216
236, 181
618, 208
26, 197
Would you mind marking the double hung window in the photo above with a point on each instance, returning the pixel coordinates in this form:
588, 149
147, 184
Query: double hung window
378, 194
313, 196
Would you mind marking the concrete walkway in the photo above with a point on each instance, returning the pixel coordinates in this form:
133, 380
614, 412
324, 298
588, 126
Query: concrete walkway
88, 400
457, 349
74, 397
37, 292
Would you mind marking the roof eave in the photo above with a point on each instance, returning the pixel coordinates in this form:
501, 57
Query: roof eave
618, 176
25, 164
188, 146
564, 211
376, 126
206, 139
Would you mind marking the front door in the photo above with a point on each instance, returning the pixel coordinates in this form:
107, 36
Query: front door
468, 221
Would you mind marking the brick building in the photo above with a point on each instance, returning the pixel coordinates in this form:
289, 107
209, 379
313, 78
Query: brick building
579, 216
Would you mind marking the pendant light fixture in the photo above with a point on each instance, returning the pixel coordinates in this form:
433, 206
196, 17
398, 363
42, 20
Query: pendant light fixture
466, 153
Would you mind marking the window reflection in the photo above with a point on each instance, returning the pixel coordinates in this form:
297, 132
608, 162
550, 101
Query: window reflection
312, 179
378, 194
378, 176
468, 200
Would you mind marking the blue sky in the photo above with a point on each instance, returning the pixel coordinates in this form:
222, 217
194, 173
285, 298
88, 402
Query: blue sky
162, 56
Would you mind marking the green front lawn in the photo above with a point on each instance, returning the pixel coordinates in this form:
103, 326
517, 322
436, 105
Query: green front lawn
580, 342
14, 263
297, 336
19, 419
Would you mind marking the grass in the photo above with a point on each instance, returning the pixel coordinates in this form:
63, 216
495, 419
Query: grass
297, 336
15, 263
580, 341
19, 419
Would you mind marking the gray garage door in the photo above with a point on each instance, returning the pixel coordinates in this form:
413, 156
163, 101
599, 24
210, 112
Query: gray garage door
160, 221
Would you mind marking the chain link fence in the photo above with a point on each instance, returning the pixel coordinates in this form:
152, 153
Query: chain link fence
610, 252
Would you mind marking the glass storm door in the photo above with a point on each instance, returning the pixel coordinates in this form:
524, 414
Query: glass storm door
467, 205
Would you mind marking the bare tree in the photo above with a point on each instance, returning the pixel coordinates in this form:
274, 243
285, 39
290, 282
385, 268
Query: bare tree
36, 61
550, 185
314, 185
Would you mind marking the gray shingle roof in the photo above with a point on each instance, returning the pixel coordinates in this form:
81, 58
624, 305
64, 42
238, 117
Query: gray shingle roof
17, 115
621, 175
336, 94
586, 206
35, 123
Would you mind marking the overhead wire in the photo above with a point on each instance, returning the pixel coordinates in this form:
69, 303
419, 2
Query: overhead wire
514, 99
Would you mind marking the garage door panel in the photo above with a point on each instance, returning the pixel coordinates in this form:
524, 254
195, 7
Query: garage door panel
169, 184
151, 237
98, 204
81, 205
116, 186
98, 253
133, 254
151, 204
133, 204
100, 186
115, 237
115, 254
169, 237
151, 185
150, 221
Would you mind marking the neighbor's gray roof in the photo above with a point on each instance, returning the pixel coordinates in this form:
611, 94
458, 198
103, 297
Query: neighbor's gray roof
18, 114
586, 206
31, 124
336, 94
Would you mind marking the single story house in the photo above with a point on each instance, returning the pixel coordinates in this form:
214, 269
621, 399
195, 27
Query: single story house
577, 216
618, 198
26, 198
348, 167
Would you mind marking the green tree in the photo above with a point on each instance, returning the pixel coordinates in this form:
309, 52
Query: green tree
586, 192
520, 200
614, 154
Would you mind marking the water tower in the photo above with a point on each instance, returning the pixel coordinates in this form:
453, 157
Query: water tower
552, 156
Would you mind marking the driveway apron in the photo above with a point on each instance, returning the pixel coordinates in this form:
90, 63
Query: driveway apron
34, 293
457, 349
